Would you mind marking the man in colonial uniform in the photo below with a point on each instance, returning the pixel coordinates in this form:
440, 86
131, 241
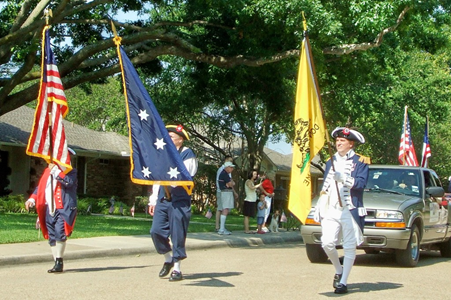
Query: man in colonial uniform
171, 211
56, 209
344, 216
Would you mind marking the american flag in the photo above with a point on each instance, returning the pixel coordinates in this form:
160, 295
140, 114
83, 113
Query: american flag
132, 210
52, 103
426, 147
407, 156
154, 158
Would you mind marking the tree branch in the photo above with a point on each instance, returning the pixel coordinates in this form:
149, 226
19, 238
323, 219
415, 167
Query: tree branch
349, 48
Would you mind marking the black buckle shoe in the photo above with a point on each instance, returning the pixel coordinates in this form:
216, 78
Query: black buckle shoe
166, 269
337, 278
341, 289
176, 276
58, 267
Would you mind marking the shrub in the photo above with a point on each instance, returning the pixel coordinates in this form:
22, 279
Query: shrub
141, 204
14, 204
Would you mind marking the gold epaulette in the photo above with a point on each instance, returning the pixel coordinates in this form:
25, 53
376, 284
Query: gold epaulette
364, 159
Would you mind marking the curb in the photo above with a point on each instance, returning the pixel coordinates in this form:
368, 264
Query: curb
137, 245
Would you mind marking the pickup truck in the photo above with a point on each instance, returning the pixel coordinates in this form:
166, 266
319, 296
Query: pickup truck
403, 217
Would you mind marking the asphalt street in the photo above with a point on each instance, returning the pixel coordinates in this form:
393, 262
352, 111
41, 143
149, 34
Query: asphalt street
254, 271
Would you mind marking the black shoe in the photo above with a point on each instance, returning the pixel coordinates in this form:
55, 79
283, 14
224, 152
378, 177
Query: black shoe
58, 267
166, 269
341, 289
176, 276
337, 278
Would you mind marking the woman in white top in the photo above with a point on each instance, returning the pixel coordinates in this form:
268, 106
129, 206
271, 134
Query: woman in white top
249, 209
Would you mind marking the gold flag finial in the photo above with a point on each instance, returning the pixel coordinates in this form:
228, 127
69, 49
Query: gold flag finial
47, 15
117, 39
304, 21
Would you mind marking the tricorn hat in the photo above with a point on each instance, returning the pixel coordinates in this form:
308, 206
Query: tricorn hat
349, 134
179, 130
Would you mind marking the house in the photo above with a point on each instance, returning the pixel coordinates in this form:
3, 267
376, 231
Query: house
102, 158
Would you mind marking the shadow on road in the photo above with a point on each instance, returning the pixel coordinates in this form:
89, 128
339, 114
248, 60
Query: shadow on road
210, 279
388, 260
366, 287
102, 269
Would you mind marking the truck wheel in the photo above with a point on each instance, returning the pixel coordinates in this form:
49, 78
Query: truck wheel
410, 256
445, 248
315, 253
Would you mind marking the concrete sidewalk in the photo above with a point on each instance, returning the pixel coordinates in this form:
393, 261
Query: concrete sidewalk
133, 245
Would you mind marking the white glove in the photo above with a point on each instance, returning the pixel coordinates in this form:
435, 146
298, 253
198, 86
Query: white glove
317, 215
153, 200
154, 197
339, 177
55, 171
30, 203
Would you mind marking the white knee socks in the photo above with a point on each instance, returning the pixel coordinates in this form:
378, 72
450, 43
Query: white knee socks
223, 220
167, 257
59, 249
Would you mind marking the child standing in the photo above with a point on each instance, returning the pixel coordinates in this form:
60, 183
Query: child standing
261, 213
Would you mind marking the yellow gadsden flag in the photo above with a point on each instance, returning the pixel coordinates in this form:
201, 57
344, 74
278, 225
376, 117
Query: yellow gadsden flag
309, 135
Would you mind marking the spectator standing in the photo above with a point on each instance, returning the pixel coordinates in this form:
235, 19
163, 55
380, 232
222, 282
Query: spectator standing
268, 190
228, 158
226, 185
250, 200
261, 214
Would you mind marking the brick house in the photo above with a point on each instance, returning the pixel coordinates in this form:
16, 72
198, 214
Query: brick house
102, 158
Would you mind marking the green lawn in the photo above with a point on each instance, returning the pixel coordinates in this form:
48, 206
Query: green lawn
20, 228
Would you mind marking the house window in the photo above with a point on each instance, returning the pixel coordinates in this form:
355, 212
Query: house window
104, 162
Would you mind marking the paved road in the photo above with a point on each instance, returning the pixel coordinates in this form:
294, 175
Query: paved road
278, 271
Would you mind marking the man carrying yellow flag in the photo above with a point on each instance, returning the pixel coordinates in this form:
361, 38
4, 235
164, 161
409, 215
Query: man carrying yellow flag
309, 134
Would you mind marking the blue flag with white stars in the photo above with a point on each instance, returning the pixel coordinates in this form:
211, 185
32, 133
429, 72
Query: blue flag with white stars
154, 158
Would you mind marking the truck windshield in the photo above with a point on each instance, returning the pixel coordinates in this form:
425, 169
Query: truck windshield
394, 180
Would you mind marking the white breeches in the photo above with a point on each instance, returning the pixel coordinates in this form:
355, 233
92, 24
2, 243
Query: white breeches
336, 225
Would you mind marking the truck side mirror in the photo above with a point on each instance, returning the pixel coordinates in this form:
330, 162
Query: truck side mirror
435, 191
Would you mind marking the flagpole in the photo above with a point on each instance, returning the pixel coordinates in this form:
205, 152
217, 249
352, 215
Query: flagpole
47, 15
322, 111
424, 158
404, 135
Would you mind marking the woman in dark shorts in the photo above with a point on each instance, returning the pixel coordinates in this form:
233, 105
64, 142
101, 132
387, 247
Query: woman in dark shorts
250, 200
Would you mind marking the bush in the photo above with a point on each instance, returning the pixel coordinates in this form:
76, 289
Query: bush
98, 205
141, 204
13, 204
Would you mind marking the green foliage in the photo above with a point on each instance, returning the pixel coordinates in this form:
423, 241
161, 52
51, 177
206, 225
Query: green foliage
12, 204
101, 107
408, 65
98, 205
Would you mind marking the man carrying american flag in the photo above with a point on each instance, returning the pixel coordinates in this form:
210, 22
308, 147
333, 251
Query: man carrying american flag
55, 197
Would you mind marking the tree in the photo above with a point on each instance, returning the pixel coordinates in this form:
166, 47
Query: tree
365, 52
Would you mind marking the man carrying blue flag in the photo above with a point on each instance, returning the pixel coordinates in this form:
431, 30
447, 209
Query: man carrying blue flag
171, 211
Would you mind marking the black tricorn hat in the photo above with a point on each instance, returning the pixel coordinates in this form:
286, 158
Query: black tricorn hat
179, 130
349, 134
